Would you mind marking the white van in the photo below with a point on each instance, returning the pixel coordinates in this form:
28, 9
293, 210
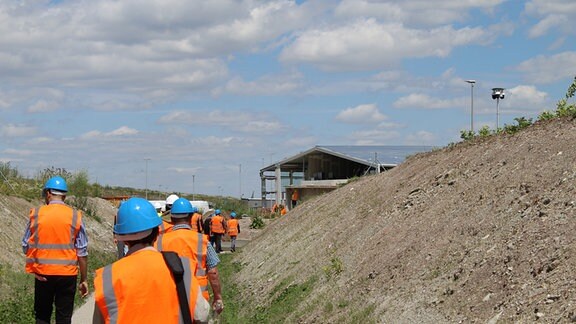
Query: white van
202, 206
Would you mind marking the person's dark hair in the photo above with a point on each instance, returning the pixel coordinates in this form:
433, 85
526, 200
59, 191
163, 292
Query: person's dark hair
149, 240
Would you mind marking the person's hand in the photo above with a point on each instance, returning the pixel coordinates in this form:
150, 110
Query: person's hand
39, 277
83, 288
218, 306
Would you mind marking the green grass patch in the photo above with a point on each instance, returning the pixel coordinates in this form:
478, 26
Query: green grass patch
17, 289
285, 296
233, 303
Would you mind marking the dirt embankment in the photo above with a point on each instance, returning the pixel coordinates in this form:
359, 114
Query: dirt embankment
480, 232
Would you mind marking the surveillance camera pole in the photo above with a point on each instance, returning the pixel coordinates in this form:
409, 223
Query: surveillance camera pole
497, 93
472, 82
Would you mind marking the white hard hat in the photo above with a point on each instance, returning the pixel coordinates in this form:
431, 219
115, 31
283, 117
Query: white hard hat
171, 199
157, 204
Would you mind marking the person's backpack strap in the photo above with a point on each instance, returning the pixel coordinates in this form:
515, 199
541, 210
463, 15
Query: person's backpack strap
175, 265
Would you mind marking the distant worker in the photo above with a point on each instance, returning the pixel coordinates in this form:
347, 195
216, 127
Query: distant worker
218, 229
295, 197
196, 221
166, 226
206, 229
283, 210
158, 206
169, 201
186, 242
233, 231
56, 245
141, 288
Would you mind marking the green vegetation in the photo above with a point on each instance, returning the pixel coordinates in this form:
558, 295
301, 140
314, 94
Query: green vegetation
257, 222
285, 296
563, 109
334, 269
17, 297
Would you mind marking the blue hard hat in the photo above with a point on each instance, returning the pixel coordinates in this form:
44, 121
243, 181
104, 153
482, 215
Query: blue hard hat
217, 211
182, 206
56, 183
136, 215
233, 214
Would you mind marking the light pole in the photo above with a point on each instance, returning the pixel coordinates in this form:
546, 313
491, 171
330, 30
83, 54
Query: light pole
498, 93
240, 180
193, 176
147, 159
472, 82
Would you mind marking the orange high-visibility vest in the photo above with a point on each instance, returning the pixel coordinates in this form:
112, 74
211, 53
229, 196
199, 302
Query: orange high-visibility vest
295, 195
192, 245
233, 227
53, 231
217, 225
139, 289
165, 227
196, 222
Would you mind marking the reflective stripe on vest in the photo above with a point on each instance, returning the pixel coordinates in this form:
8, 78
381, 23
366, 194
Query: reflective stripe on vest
233, 227
53, 258
199, 253
112, 307
216, 225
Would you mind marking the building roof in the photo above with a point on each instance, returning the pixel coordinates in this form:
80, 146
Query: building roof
388, 156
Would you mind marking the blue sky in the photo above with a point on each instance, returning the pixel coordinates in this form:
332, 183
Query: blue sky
219, 89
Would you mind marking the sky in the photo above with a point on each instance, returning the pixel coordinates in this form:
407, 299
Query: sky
197, 96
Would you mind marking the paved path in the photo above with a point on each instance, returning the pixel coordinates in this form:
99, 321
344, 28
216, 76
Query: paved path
83, 315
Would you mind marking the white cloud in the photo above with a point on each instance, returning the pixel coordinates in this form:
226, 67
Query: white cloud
427, 13
239, 121
374, 137
525, 98
43, 106
12, 130
121, 131
547, 69
421, 138
18, 152
361, 114
367, 44
554, 14
303, 141
423, 101
267, 85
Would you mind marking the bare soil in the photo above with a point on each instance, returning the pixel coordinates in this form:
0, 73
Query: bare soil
478, 232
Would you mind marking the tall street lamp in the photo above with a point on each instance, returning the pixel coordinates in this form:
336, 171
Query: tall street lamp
193, 176
146, 190
472, 82
498, 93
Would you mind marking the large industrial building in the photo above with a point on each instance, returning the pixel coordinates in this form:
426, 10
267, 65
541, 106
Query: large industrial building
323, 168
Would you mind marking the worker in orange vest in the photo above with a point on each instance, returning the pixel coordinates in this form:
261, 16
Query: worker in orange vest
295, 197
196, 221
218, 229
284, 210
141, 287
233, 230
189, 243
55, 244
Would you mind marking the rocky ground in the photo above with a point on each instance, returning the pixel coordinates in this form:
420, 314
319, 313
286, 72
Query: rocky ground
478, 232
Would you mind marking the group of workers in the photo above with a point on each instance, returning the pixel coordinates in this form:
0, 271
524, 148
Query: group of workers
162, 277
